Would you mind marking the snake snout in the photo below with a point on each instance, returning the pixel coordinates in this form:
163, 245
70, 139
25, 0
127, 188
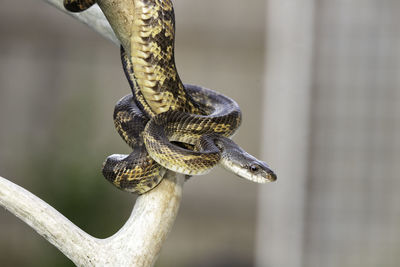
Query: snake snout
271, 176
261, 172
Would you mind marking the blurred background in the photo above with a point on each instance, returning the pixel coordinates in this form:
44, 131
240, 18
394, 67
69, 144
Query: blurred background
317, 81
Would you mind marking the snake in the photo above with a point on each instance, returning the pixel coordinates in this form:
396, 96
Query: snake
169, 125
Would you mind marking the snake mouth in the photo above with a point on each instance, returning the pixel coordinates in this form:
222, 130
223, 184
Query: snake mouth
271, 176
261, 179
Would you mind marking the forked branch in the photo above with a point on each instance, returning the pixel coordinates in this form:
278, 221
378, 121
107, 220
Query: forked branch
137, 243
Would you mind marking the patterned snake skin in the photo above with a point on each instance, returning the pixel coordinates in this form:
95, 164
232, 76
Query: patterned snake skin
183, 128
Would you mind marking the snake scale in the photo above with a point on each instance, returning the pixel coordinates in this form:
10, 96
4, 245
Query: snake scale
169, 125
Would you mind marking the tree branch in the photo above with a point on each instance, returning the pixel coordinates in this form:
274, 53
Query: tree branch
139, 241
93, 17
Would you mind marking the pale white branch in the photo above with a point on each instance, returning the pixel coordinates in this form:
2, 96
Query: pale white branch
139, 241
44, 219
93, 17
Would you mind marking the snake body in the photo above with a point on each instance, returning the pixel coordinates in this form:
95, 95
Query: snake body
152, 55
183, 128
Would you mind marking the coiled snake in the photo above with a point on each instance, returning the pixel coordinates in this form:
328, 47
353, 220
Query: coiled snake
183, 128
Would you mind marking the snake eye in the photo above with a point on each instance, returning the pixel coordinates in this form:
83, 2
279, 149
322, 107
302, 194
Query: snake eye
254, 168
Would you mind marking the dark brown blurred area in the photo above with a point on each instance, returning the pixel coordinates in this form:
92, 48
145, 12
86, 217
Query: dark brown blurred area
59, 82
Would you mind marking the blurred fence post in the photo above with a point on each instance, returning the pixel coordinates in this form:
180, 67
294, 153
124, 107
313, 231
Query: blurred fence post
288, 66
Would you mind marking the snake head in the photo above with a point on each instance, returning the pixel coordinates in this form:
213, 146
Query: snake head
258, 171
238, 161
250, 168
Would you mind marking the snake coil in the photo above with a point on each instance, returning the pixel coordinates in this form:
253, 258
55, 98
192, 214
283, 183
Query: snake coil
183, 128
